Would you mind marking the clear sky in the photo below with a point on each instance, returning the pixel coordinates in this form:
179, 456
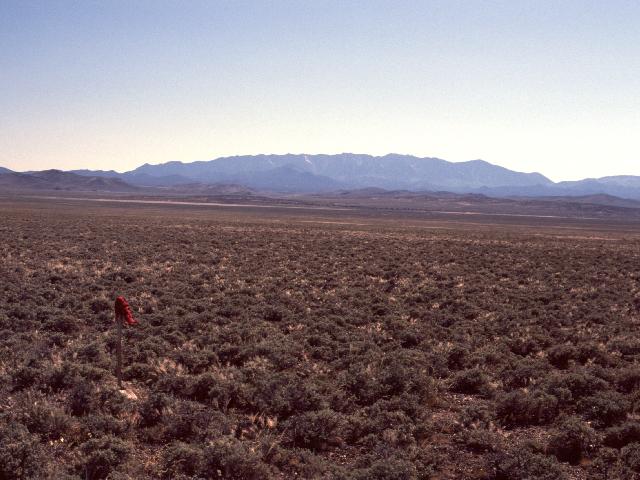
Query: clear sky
549, 86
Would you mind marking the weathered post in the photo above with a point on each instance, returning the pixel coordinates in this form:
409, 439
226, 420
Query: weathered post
119, 320
122, 314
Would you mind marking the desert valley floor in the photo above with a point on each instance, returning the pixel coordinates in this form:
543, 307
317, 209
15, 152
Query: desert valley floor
316, 343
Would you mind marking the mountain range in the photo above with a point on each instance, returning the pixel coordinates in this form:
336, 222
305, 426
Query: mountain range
300, 173
58, 180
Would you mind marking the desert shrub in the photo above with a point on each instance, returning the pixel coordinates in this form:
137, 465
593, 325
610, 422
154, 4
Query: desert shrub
362, 384
521, 409
317, 430
231, 392
457, 357
93, 353
234, 460
20, 312
322, 347
20, 452
479, 440
141, 372
604, 408
103, 425
477, 415
43, 418
92, 373
410, 404
6, 334
388, 469
274, 314
61, 377
111, 401
606, 465
100, 456
172, 337
410, 338
227, 311
628, 379
570, 387
197, 361
381, 424
284, 394
628, 347
57, 340
62, 324
299, 462
172, 384
152, 408
182, 460
281, 352
621, 435
100, 305
572, 440
560, 355
186, 423
591, 352
436, 365
522, 373
402, 373
470, 382
81, 399
631, 457
524, 346
25, 376
524, 464
200, 386
146, 350
392, 377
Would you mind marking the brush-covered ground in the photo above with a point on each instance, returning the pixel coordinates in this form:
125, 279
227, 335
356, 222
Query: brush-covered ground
274, 345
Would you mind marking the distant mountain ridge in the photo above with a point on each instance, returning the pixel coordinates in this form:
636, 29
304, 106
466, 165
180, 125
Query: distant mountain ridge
301, 173
309, 173
59, 180
349, 170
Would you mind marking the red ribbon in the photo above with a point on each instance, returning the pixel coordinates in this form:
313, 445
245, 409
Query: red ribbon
123, 310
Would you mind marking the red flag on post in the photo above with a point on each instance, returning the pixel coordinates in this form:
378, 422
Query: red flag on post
123, 311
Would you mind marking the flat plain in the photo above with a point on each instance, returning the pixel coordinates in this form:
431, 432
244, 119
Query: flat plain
316, 342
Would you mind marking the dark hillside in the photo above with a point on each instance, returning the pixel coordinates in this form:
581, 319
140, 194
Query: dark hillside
59, 180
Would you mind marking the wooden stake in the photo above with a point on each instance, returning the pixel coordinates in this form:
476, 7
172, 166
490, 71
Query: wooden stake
119, 321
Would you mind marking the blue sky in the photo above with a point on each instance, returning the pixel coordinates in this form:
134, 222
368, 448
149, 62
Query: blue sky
549, 86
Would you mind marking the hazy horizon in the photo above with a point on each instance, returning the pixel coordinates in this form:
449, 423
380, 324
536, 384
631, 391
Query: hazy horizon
533, 86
